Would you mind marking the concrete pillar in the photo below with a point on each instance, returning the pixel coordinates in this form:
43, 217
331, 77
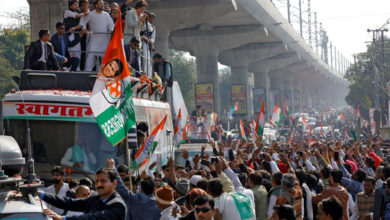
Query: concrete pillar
162, 43
262, 80
45, 14
240, 75
207, 72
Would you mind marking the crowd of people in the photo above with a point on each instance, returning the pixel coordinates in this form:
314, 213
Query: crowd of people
81, 40
238, 179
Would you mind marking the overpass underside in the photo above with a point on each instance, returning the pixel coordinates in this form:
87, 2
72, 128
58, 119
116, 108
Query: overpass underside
266, 55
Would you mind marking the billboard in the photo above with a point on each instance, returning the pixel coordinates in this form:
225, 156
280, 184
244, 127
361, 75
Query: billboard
258, 98
204, 96
238, 93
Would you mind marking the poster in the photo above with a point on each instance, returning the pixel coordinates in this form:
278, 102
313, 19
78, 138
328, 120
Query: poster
258, 98
204, 96
238, 93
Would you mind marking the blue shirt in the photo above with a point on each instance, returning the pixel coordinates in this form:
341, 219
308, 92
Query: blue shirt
139, 205
61, 38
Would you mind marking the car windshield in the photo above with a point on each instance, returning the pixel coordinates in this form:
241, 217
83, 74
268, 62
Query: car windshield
79, 145
22, 216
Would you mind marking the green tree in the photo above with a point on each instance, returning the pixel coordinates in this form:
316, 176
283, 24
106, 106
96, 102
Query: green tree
6, 72
12, 42
184, 71
13, 37
361, 77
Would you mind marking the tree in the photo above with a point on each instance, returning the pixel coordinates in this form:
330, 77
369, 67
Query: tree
361, 78
184, 71
13, 38
12, 42
6, 72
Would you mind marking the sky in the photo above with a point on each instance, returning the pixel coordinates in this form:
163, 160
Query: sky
346, 21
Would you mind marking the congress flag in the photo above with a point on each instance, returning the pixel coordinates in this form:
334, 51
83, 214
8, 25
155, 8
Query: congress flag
178, 132
243, 136
111, 99
276, 116
359, 122
260, 121
143, 154
340, 117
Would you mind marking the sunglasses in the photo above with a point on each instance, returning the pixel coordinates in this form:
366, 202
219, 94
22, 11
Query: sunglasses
204, 210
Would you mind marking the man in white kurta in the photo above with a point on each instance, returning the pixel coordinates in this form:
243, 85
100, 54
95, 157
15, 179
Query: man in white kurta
147, 42
59, 187
101, 25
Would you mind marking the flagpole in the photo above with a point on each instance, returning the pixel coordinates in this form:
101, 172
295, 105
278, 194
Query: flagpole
128, 157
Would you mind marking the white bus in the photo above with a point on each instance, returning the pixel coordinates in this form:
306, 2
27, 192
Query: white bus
60, 118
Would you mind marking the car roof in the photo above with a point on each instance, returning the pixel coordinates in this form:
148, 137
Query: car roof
13, 202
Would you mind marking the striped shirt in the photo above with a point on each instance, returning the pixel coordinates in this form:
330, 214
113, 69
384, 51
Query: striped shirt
365, 204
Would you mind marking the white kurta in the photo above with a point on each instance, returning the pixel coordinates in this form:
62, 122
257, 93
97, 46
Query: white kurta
132, 27
61, 193
101, 24
88, 158
146, 53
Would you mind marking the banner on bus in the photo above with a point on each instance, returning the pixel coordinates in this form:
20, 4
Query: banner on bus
47, 111
204, 96
238, 93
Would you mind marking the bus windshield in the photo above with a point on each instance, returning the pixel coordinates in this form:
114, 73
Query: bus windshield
77, 145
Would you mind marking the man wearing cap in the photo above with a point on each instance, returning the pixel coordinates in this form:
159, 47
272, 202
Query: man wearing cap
194, 180
182, 187
141, 205
164, 200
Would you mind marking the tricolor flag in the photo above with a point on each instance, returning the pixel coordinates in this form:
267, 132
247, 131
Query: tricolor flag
276, 116
346, 133
235, 108
291, 136
309, 136
304, 122
285, 108
178, 132
359, 122
111, 99
184, 135
322, 130
340, 117
260, 121
243, 136
353, 112
143, 154
212, 119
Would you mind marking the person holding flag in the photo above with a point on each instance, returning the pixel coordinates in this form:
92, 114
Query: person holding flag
143, 155
277, 116
260, 121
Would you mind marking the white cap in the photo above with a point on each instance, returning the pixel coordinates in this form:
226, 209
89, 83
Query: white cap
195, 179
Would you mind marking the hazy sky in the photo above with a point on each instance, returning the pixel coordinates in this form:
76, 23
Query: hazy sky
346, 21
